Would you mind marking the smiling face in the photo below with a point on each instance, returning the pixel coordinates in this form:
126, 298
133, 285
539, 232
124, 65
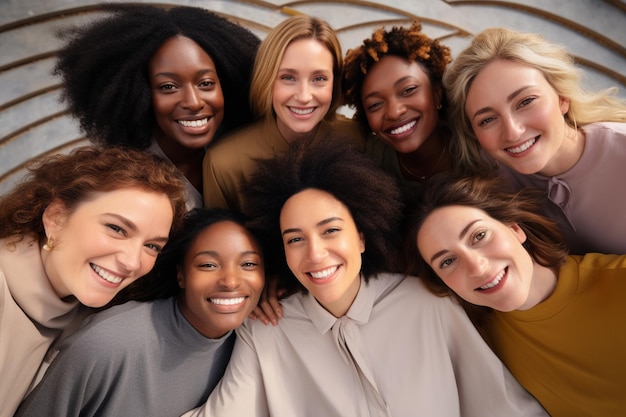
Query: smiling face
303, 88
400, 103
323, 248
481, 259
106, 243
518, 119
186, 94
222, 279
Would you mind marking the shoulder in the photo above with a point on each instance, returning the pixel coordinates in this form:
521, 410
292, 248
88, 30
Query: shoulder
344, 128
596, 262
105, 330
237, 138
605, 129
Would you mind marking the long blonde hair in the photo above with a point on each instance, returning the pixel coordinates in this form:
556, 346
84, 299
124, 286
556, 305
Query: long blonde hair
554, 62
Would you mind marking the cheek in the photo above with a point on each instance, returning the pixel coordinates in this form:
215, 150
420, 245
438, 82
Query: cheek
328, 94
374, 121
147, 264
161, 104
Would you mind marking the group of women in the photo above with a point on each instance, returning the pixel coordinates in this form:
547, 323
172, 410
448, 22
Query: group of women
500, 167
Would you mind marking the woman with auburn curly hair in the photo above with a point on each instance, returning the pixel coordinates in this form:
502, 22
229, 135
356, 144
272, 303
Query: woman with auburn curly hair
167, 80
393, 80
75, 232
128, 358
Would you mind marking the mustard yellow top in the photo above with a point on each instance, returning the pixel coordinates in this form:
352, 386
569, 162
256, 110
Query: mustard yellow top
570, 350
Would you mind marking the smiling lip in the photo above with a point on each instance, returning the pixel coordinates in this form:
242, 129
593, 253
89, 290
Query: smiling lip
403, 128
197, 123
523, 147
301, 111
495, 282
323, 276
228, 304
107, 276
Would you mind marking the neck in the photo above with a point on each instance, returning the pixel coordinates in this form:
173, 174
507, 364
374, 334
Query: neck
187, 160
431, 158
542, 286
568, 154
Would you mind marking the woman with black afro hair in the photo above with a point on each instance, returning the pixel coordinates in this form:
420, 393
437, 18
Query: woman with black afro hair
168, 80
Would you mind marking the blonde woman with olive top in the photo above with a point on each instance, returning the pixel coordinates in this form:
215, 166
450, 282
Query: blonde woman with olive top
295, 92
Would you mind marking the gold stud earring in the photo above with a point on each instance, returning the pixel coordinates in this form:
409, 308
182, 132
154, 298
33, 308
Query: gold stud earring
49, 244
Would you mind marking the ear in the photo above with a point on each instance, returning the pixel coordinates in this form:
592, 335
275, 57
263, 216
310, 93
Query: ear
563, 104
361, 242
519, 232
54, 217
180, 277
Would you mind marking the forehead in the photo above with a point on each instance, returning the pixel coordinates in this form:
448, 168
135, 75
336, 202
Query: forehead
310, 47
181, 51
392, 69
224, 236
444, 220
310, 206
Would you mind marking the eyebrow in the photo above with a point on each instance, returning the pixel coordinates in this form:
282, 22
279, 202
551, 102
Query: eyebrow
398, 81
216, 254
461, 235
133, 227
174, 75
509, 98
321, 223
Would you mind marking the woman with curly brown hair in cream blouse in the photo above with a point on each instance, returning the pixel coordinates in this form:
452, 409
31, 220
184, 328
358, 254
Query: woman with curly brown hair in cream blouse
78, 230
355, 340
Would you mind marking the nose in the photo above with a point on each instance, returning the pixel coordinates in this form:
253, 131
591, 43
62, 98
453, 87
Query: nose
317, 250
476, 264
130, 257
513, 128
230, 278
191, 99
396, 109
303, 94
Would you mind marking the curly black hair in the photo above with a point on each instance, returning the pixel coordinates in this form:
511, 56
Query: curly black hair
336, 167
410, 43
103, 66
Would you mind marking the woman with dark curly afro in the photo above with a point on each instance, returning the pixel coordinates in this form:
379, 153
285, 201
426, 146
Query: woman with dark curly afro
356, 340
393, 80
166, 80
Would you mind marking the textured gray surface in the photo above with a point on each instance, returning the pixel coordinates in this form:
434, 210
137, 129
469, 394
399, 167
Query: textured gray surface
32, 121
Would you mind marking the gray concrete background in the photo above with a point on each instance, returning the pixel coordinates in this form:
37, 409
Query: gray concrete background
33, 122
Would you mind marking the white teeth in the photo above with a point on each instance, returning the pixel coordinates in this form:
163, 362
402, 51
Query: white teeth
308, 110
495, 282
403, 129
522, 147
227, 301
194, 123
105, 275
325, 273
